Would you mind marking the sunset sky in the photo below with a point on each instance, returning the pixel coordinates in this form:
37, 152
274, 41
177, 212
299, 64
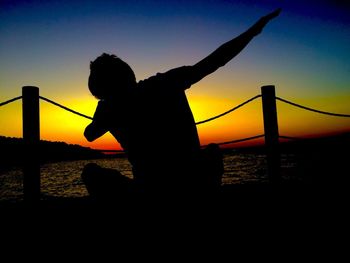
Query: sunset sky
305, 53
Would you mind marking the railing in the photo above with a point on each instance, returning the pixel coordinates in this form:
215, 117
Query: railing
31, 133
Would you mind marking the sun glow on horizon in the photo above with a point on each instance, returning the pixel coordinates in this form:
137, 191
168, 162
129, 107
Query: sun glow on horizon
60, 125
305, 53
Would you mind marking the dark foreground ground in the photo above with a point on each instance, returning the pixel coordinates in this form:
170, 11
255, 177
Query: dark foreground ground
297, 197
319, 201
256, 216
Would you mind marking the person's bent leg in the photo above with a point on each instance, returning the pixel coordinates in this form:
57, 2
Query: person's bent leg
103, 183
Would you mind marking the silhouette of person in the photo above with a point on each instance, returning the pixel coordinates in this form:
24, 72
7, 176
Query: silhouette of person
153, 122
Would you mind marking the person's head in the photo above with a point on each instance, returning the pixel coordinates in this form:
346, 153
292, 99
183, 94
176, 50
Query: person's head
110, 77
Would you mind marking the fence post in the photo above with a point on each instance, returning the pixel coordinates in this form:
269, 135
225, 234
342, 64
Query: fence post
31, 138
271, 133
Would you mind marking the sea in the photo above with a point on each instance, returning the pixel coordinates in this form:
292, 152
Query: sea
63, 179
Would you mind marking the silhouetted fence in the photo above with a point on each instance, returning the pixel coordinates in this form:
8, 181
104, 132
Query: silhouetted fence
31, 138
31, 133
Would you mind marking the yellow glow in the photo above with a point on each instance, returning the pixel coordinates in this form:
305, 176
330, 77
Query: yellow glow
59, 125
11, 119
242, 123
298, 122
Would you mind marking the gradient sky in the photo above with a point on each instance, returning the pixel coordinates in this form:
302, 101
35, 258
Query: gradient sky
305, 52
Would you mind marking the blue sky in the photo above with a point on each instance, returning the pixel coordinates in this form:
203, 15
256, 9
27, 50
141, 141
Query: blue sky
304, 52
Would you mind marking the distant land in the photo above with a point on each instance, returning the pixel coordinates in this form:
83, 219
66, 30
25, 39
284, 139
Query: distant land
331, 144
12, 152
325, 159
319, 160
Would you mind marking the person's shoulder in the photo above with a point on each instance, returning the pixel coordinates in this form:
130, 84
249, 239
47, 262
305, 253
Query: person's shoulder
176, 79
164, 75
153, 77
150, 81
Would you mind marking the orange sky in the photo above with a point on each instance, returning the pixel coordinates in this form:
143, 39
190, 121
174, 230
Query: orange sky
60, 125
304, 53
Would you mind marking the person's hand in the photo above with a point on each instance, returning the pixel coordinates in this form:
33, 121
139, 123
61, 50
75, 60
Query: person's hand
258, 26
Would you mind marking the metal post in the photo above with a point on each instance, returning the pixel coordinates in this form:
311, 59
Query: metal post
31, 138
271, 133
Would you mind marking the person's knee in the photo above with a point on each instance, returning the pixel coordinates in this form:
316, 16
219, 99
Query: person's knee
89, 172
105, 183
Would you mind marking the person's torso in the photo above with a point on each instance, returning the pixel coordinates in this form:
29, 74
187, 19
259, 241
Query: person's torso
158, 132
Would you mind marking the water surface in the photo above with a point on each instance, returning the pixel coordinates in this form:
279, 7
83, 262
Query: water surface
63, 179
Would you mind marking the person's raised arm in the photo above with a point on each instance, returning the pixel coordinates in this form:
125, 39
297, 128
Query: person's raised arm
229, 50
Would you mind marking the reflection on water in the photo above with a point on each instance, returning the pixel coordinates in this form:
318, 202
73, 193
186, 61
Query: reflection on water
64, 178
57, 179
243, 168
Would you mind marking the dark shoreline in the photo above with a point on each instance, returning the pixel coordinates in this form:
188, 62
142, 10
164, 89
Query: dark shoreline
12, 152
318, 159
